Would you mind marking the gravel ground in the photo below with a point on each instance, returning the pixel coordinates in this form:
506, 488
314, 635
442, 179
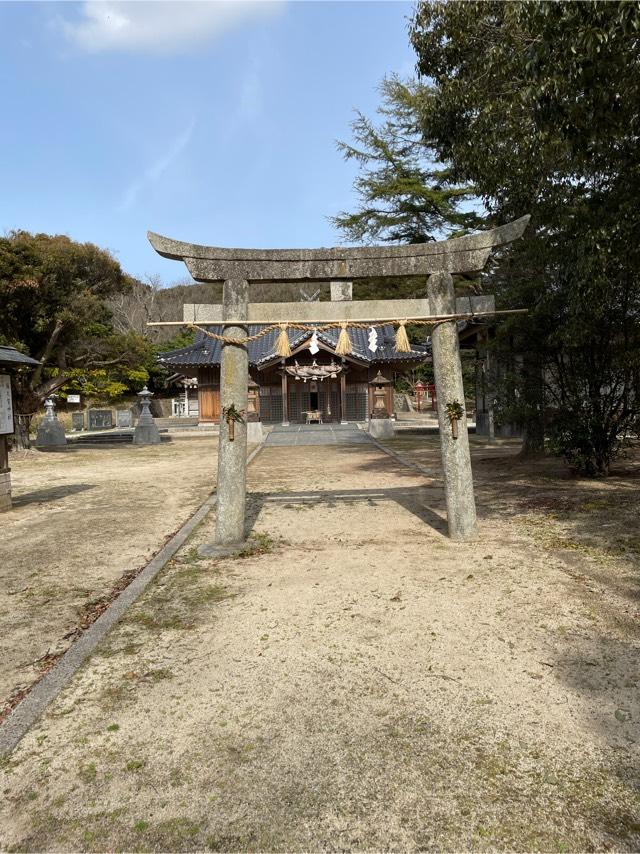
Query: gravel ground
81, 520
355, 681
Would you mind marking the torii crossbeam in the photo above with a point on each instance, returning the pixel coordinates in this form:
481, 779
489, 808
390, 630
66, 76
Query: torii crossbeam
237, 268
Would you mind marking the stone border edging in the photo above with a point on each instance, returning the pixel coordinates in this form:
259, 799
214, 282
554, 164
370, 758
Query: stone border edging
29, 710
415, 466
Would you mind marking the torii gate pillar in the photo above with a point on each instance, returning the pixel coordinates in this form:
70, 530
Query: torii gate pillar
456, 459
436, 259
232, 455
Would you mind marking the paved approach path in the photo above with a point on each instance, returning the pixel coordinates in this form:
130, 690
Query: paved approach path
316, 434
355, 681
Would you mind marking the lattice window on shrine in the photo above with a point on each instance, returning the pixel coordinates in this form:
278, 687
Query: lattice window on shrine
329, 404
299, 403
357, 401
270, 404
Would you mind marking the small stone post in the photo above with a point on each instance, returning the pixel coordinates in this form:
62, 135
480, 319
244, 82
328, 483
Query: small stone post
50, 432
456, 459
232, 455
146, 432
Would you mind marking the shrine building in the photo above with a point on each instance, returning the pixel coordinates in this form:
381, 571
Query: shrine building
316, 380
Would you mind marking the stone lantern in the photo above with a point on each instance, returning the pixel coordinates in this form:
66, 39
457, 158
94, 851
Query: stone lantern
252, 401
254, 426
379, 384
146, 432
50, 432
380, 422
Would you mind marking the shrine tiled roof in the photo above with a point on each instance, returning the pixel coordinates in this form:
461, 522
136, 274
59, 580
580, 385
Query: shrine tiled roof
206, 351
10, 356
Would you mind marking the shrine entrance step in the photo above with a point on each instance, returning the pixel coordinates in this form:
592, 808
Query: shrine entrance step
317, 434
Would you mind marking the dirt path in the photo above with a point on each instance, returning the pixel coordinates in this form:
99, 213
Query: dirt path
80, 520
356, 681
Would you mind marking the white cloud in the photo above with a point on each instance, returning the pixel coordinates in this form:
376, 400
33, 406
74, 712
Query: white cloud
159, 26
156, 170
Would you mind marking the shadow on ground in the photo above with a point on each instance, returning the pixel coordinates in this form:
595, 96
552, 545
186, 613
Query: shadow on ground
52, 493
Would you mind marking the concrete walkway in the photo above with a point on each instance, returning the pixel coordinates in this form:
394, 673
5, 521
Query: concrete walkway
316, 434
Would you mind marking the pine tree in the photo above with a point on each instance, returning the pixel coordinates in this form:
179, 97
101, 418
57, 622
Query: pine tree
405, 195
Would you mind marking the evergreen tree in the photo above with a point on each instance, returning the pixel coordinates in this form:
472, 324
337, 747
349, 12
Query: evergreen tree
538, 106
405, 195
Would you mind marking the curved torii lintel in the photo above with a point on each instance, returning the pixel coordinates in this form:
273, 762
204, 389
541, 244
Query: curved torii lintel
460, 255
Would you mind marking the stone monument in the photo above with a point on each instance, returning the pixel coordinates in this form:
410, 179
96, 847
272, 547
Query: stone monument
99, 419
50, 432
124, 418
146, 432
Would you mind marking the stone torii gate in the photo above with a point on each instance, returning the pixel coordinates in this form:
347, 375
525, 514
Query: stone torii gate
238, 268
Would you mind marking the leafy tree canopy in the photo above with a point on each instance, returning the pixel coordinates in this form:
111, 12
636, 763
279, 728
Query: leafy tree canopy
531, 101
53, 306
537, 105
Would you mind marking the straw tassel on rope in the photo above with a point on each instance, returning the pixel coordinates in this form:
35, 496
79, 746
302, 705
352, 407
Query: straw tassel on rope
344, 346
283, 347
402, 340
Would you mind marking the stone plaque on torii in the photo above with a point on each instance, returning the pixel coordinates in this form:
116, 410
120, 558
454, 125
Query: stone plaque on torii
437, 261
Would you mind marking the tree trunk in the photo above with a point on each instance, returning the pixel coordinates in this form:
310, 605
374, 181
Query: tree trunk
532, 398
532, 439
21, 440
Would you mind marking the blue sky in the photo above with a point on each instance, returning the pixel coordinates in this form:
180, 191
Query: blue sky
209, 122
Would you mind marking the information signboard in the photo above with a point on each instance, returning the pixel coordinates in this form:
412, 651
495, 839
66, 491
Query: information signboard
73, 398
6, 406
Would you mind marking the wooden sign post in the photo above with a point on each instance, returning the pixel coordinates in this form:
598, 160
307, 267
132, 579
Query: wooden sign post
437, 261
6, 429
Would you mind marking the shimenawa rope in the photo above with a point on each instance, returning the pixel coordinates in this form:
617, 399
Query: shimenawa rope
344, 345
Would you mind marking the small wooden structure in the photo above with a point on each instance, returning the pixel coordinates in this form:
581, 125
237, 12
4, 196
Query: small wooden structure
10, 359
